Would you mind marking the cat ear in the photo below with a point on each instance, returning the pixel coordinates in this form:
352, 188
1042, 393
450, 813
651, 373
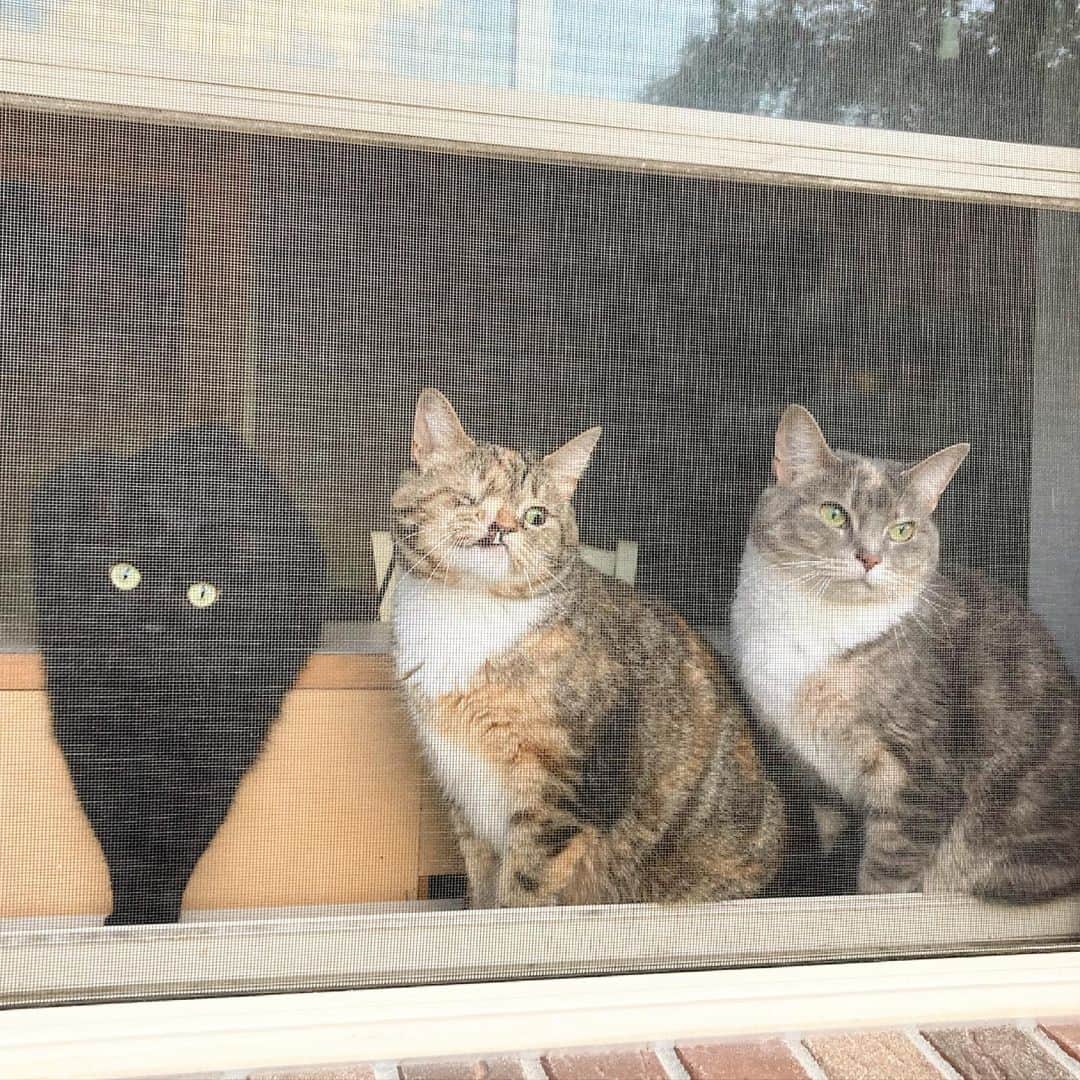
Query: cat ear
931, 476
567, 464
800, 448
437, 431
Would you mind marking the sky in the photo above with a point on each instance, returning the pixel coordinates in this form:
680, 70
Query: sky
598, 48
615, 48
609, 49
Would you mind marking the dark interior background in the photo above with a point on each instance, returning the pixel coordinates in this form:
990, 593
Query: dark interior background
91, 306
682, 314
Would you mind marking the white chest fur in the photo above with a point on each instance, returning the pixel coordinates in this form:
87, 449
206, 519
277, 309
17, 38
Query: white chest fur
473, 784
443, 637
780, 637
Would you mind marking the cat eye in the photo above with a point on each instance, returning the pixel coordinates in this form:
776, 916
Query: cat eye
902, 531
124, 576
833, 515
202, 594
467, 500
535, 515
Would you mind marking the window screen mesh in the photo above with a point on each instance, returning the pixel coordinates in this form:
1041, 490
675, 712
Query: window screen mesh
299, 296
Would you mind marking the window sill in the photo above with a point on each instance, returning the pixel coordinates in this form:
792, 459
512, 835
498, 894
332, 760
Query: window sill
396, 949
185, 1036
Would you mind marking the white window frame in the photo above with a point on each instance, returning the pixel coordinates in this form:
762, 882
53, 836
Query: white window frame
200, 1033
52, 75
184, 1036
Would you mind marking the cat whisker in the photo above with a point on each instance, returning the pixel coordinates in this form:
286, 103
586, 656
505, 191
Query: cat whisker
900, 634
417, 555
791, 565
937, 610
823, 588
445, 542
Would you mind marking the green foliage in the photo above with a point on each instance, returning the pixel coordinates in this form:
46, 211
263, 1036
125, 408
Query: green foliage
995, 69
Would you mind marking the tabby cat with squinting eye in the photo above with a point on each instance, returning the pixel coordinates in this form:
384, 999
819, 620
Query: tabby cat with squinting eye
589, 748
939, 713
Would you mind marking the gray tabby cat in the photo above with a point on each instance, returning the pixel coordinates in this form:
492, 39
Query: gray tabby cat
940, 712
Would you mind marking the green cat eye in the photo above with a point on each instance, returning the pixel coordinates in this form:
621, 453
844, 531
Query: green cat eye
124, 576
902, 531
202, 594
833, 515
535, 515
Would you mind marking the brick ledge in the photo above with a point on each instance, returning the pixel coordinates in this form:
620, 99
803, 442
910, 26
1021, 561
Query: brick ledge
1025, 1050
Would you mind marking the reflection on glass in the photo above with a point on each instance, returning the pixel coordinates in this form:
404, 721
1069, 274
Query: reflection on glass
989, 69
455, 41
448, 40
617, 48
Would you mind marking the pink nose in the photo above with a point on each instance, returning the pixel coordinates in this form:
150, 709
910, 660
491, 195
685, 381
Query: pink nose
497, 528
869, 561
504, 522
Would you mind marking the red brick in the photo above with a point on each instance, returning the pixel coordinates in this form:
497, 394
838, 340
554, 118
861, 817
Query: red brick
769, 1059
500, 1068
870, 1055
315, 1072
1065, 1033
603, 1065
994, 1053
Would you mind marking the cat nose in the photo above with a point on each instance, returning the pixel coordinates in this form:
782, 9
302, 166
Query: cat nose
868, 560
504, 523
